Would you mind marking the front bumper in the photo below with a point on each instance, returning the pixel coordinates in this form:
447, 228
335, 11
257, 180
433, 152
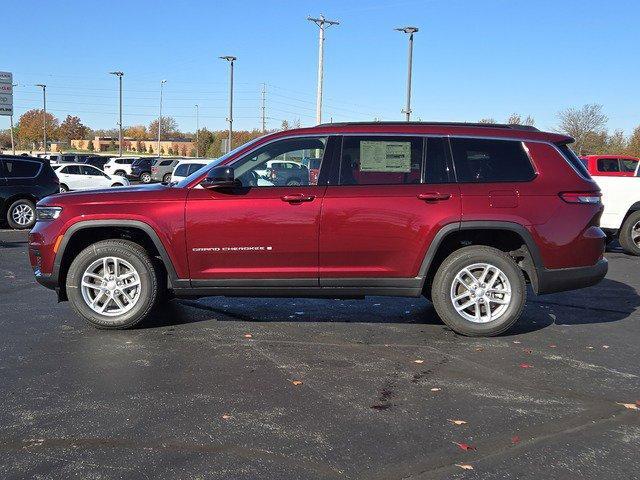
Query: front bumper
562, 279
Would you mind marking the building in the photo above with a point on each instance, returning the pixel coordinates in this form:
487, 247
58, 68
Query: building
173, 146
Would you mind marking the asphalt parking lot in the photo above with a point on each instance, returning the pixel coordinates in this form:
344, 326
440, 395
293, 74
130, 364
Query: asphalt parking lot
211, 388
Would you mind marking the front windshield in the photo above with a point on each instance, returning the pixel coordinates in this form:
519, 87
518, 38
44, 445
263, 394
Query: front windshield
186, 181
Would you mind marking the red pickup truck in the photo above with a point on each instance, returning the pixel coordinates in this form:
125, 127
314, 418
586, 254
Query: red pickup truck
610, 165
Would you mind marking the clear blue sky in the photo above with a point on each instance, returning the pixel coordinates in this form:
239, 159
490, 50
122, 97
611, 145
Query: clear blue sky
472, 59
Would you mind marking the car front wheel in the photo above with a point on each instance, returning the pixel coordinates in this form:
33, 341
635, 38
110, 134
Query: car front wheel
113, 284
145, 177
21, 214
479, 291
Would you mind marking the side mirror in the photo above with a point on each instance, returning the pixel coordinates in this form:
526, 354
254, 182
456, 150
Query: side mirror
220, 177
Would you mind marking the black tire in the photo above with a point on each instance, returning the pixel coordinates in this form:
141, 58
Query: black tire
293, 182
117, 184
166, 178
120, 173
443, 283
626, 234
130, 252
20, 205
63, 188
145, 177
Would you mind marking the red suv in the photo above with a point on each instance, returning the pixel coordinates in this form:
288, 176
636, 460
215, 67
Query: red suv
464, 214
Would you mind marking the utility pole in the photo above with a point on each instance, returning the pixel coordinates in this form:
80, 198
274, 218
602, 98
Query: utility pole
230, 59
44, 115
197, 133
162, 82
321, 22
119, 75
13, 145
264, 119
410, 31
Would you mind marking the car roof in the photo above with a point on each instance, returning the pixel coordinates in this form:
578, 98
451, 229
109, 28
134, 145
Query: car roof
520, 132
624, 157
22, 157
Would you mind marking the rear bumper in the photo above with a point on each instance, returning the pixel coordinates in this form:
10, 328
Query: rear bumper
562, 279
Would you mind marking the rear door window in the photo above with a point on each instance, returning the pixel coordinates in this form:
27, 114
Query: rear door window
627, 165
608, 165
486, 161
195, 167
21, 168
381, 160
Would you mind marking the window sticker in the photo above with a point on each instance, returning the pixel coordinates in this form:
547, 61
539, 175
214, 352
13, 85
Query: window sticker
381, 156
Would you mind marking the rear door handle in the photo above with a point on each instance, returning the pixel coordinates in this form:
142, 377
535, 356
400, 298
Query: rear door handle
434, 196
297, 198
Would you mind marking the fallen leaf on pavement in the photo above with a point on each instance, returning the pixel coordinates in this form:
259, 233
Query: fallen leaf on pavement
464, 466
457, 422
630, 406
479, 349
517, 342
248, 335
297, 382
418, 361
525, 365
226, 416
464, 446
552, 346
605, 346
435, 389
515, 439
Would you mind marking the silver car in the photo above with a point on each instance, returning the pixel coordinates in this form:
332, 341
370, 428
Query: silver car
162, 169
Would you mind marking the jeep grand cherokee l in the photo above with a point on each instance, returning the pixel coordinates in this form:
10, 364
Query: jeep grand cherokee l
464, 214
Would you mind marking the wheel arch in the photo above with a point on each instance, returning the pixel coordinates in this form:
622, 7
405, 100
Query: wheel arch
632, 209
84, 233
515, 240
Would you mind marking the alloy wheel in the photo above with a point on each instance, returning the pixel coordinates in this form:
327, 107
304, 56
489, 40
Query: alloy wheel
481, 293
110, 286
23, 214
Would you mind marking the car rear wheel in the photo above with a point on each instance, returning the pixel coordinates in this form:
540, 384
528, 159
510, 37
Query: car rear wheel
21, 214
629, 236
113, 284
63, 188
166, 178
145, 177
479, 291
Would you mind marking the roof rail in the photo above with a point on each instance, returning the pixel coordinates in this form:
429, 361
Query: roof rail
437, 124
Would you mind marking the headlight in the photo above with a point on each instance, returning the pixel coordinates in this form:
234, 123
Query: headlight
47, 213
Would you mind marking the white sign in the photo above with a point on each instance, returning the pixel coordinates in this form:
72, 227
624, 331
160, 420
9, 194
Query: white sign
6, 93
381, 156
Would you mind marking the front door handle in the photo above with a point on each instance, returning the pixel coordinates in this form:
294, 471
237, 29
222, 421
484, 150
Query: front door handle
297, 198
434, 196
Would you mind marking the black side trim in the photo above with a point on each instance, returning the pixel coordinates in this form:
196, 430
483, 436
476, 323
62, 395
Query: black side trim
562, 279
113, 223
310, 292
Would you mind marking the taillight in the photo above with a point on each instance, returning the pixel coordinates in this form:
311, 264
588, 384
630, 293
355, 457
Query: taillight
582, 197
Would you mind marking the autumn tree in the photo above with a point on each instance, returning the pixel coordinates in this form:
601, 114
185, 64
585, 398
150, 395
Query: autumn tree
205, 140
30, 128
169, 127
633, 145
72, 129
586, 125
137, 132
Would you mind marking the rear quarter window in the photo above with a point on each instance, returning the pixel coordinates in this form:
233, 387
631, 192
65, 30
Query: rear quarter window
21, 168
579, 165
488, 160
181, 170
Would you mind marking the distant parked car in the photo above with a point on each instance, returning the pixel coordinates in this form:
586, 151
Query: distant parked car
282, 172
23, 182
162, 169
119, 166
97, 161
84, 177
610, 165
141, 168
184, 168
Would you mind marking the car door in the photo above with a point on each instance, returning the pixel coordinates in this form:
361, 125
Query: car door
391, 196
71, 176
258, 231
94, 178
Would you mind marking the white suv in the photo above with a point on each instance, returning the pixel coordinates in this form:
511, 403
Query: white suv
120, 166
184, 168
75, 176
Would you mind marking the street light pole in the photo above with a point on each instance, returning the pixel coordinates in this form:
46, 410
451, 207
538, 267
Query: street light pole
44, 115
119, 75
410, 31
197, 133
321, 22
230, 59
162, 82
13, 145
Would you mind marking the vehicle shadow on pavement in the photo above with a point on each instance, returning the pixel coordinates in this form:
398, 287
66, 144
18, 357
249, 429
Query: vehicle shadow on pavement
608, 301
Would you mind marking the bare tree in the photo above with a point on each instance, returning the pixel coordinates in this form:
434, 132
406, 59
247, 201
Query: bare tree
516, 119
585, 125
487, 120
